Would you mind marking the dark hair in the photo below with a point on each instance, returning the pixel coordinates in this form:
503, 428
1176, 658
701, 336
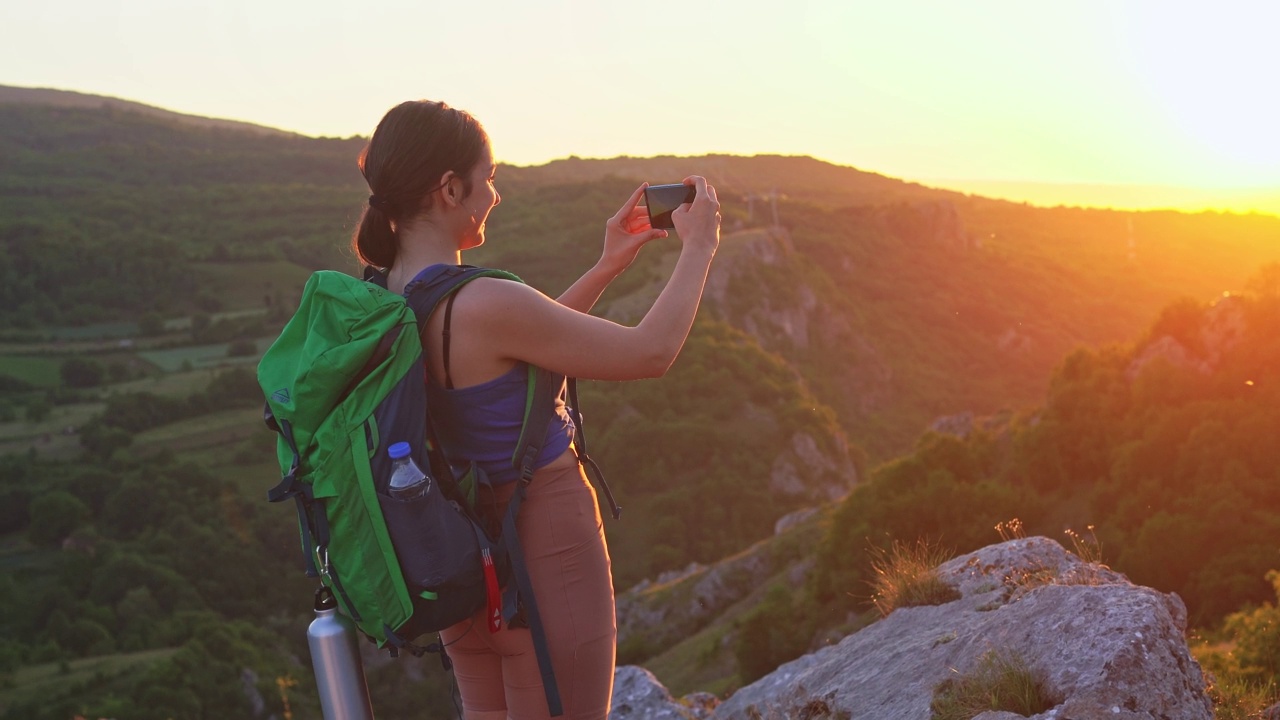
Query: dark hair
415, 144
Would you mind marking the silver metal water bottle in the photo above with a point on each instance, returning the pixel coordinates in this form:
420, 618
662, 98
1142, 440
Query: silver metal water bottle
335, 656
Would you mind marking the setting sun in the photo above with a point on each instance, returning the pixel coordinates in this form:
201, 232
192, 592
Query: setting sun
1208, 72
1144, 103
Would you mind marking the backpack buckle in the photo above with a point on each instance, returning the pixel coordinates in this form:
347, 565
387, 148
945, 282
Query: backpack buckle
526, 464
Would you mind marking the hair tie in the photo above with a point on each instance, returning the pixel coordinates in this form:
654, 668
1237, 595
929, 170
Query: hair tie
378, 204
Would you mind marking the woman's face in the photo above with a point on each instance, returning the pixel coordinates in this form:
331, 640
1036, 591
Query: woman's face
484, 196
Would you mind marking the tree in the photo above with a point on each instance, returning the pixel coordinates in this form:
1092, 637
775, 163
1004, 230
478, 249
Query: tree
151, 324
82, 372
54, 516
103, 440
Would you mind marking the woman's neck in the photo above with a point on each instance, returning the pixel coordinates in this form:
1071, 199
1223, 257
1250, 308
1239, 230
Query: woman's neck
421, 245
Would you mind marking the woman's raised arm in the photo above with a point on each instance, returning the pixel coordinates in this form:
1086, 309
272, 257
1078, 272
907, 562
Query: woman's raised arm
624, 234
523, 324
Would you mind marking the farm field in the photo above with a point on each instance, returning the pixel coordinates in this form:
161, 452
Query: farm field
203, 356
35, 681
39, 371
50, 436
215, 430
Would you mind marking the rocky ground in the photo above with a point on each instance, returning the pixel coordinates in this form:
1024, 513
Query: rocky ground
1097, 645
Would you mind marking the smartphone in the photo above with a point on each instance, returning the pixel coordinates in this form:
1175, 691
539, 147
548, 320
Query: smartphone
662, 199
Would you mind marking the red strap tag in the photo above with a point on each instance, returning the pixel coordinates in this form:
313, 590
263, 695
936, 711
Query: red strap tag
493, 593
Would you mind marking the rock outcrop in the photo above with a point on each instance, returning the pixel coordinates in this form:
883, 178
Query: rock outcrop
757, 285
1200, 349
637, 695
662, 612
929, 223
807, 472
1097, 645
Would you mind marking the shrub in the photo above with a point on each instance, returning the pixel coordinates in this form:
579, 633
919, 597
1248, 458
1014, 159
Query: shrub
1256, 636
82, 372
1001, 681
906, 575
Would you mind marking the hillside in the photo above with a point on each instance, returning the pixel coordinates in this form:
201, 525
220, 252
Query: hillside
48, 97
897, 304
1156, 457
143, 259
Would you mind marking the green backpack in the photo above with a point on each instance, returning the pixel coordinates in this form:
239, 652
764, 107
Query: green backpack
344, 381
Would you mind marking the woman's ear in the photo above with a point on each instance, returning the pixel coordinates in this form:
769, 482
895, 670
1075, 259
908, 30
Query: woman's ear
451, 188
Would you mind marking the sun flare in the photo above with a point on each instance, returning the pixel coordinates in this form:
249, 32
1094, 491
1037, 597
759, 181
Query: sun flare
1206, 73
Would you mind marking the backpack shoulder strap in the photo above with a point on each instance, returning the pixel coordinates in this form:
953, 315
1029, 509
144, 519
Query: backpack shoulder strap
426, 292
423, 296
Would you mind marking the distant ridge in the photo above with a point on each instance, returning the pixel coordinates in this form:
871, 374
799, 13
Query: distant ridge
795, 176
1122, 197
69, 98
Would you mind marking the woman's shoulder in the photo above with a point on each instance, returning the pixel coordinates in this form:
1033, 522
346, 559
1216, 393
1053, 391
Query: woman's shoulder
500, 295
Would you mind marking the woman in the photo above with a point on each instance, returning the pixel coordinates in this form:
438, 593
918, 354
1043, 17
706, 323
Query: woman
431, 171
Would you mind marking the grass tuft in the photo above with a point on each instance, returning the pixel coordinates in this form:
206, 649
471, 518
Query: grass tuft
1238, 699
1001, 681
906, 575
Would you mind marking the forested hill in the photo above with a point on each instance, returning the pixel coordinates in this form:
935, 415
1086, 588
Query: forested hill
144, 257
67, 98
1157, 456
898, 302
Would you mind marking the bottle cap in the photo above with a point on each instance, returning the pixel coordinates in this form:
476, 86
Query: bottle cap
325, 599
398, 450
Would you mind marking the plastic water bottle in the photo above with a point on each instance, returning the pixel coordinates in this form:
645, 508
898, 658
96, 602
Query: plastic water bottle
407, 480
336, 660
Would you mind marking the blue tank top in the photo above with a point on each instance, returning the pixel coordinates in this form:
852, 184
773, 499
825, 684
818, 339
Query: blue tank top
482, 423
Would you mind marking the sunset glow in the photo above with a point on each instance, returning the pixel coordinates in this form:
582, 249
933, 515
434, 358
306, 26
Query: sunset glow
1168, 95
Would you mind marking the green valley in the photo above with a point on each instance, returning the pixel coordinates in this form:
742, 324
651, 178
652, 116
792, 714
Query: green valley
907, 362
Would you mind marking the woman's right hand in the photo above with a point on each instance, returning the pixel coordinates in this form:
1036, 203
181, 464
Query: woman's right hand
698, 223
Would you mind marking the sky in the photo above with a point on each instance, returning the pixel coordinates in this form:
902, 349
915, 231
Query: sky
1157, 94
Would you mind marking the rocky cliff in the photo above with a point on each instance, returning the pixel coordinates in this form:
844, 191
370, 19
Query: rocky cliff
660, 613
1095, 645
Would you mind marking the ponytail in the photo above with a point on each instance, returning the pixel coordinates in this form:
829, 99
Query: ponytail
375, 239
415, 144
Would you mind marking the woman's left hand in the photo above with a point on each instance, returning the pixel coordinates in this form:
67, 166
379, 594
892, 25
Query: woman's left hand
628, 231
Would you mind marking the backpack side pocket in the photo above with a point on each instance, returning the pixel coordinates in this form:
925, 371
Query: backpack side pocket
434, 540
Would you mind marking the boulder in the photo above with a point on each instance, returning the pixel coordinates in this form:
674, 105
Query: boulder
1097, 645
637, 695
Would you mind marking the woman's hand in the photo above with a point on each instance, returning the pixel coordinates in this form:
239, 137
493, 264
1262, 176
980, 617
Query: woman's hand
517, 322
626, 232
698, 223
